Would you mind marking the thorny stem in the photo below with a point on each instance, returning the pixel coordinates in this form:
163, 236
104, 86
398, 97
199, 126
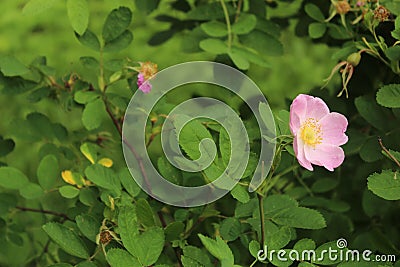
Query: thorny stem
388, 152
228, 23
49, 212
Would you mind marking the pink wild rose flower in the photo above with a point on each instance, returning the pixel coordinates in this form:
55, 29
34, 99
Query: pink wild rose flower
146, 71
318, 133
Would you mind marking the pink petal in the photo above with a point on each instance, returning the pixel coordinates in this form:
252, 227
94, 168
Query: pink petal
298, 110
316, 108
333, 127
327, 155
298, 147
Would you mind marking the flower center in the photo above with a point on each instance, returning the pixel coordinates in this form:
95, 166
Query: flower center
310, 132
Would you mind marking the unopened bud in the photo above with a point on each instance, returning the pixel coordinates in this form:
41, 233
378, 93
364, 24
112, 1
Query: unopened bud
354, 59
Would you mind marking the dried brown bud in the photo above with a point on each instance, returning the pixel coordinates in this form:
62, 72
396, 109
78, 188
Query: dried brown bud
342, 7
381, 13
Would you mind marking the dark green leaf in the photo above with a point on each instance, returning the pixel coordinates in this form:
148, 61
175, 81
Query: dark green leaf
116, 23
67, 239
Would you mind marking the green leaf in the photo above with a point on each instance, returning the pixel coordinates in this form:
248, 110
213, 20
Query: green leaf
147, 6
10, 66
214, 28
173, 231
240, 193
371, 112
245, 24
6, 146
230, 229
90, 63
48, 172
144, 213
103, 177
214, 46
120, 42
31, 191
67, 239
89, 39
324, 185
385, 185
12, 178
78, 14
316, 30
88, 226
251, 56
116, 23
34, 7
92, 116
193, 256
209, 11
389, 96
121, 258
147, 247
218, 248
314, 12
239, 60
264, 43
300, 217
69, 191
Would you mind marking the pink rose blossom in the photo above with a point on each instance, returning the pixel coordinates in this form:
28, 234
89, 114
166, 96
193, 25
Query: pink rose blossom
143, 85
317, 132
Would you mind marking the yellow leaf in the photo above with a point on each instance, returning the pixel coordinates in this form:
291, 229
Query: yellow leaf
88, 151
106, 162
67, 177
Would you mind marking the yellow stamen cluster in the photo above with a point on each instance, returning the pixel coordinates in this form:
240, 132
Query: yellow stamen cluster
148, 69
310, 132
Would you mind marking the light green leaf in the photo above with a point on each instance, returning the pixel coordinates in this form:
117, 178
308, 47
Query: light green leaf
385, 185
316, 30
120, 42
389, 96
121, 258
31, 191
10, 66
88, 226
68, 191
89, 39
34, 7
193, 256
12, 178
214, 28
314, 12
214, 46
218, 248
144, 213
103, 177
92, 116
264, 43
239, 60
300, 217
230, 229
240, 193
116, 23
48, 172
245, 24
78, 14
67, 239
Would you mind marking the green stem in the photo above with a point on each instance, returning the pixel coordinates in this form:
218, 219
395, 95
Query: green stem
228, 23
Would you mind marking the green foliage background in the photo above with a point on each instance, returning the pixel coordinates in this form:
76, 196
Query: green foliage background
62, 204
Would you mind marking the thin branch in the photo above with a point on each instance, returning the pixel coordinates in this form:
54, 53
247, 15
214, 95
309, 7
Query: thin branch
388, 152
49, 212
